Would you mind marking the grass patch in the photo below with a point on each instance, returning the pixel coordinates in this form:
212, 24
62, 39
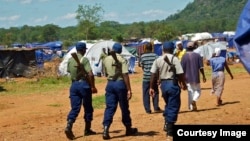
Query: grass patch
34, 86
55, 105
99, 102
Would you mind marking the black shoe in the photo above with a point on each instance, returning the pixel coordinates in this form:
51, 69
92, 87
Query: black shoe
158, 110
105, 135
131, 131
69, 134
165, 127
89, 132
148, 112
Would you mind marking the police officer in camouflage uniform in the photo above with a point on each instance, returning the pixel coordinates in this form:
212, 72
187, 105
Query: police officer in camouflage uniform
80, 92
117, 91
171, 83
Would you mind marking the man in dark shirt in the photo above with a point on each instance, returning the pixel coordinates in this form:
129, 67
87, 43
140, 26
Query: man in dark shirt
192, 64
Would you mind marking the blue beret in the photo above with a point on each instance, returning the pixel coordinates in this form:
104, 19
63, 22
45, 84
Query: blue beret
80, 46
117, 47
168, 45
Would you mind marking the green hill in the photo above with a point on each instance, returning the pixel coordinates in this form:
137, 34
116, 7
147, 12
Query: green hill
208, 15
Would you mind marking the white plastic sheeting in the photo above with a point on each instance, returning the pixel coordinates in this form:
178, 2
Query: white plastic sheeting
207, 50
93, 54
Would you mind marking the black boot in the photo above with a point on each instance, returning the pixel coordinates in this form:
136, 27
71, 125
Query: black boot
131, 131
68, 130
105, 135
165, 127
170, 129
87, 130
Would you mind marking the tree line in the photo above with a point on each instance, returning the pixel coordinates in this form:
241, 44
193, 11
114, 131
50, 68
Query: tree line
198, 16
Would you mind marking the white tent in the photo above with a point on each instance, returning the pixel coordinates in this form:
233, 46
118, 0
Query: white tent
201, 36
196, 36
207, 50
93, 54
63, 65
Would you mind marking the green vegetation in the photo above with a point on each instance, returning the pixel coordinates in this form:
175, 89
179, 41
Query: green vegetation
99, 102
198, 16
44, 85
55, 105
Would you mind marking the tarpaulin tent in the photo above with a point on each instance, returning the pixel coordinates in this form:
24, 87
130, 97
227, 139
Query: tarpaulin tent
93, 54
62, 69
56, 45
242, 37
17, 62
157, 47
207, 50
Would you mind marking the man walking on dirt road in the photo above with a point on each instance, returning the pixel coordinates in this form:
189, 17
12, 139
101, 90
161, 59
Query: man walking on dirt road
118, 90
172, 80
81, 91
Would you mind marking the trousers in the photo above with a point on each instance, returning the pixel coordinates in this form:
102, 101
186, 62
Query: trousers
80, 95
116, 93
171, 95
146, 96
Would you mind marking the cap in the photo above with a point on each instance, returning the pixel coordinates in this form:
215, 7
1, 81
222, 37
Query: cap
190, 44
80, 45
168, 45
178, 42
117, 47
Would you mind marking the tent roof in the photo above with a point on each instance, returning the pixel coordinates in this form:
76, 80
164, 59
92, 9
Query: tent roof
96, 49
207, 50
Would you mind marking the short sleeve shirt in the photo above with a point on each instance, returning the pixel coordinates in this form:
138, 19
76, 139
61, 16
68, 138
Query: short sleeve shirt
217, 63
103, 55
163, 67
192, 63
146, 61
72, 69
181, 53
110, 68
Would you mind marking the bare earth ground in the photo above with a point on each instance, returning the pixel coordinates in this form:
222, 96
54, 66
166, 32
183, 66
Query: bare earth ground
29, 118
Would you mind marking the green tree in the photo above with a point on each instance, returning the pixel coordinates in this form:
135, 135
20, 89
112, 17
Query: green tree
88, 17
50, 32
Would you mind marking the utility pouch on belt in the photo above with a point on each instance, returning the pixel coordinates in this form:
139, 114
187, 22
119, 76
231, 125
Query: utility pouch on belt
172, 68
118, 66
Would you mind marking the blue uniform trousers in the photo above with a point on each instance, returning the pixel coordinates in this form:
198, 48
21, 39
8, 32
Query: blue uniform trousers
116, 92
80, 95
171, 95
146, 96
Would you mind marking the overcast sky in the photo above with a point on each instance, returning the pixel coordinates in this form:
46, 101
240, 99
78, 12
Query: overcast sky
15, 13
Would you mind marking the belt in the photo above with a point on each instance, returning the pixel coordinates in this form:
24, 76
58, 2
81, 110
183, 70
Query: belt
167, 79
115, 80
80, 80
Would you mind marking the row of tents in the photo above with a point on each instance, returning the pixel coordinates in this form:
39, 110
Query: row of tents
11, 60
19, 61
133, 51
